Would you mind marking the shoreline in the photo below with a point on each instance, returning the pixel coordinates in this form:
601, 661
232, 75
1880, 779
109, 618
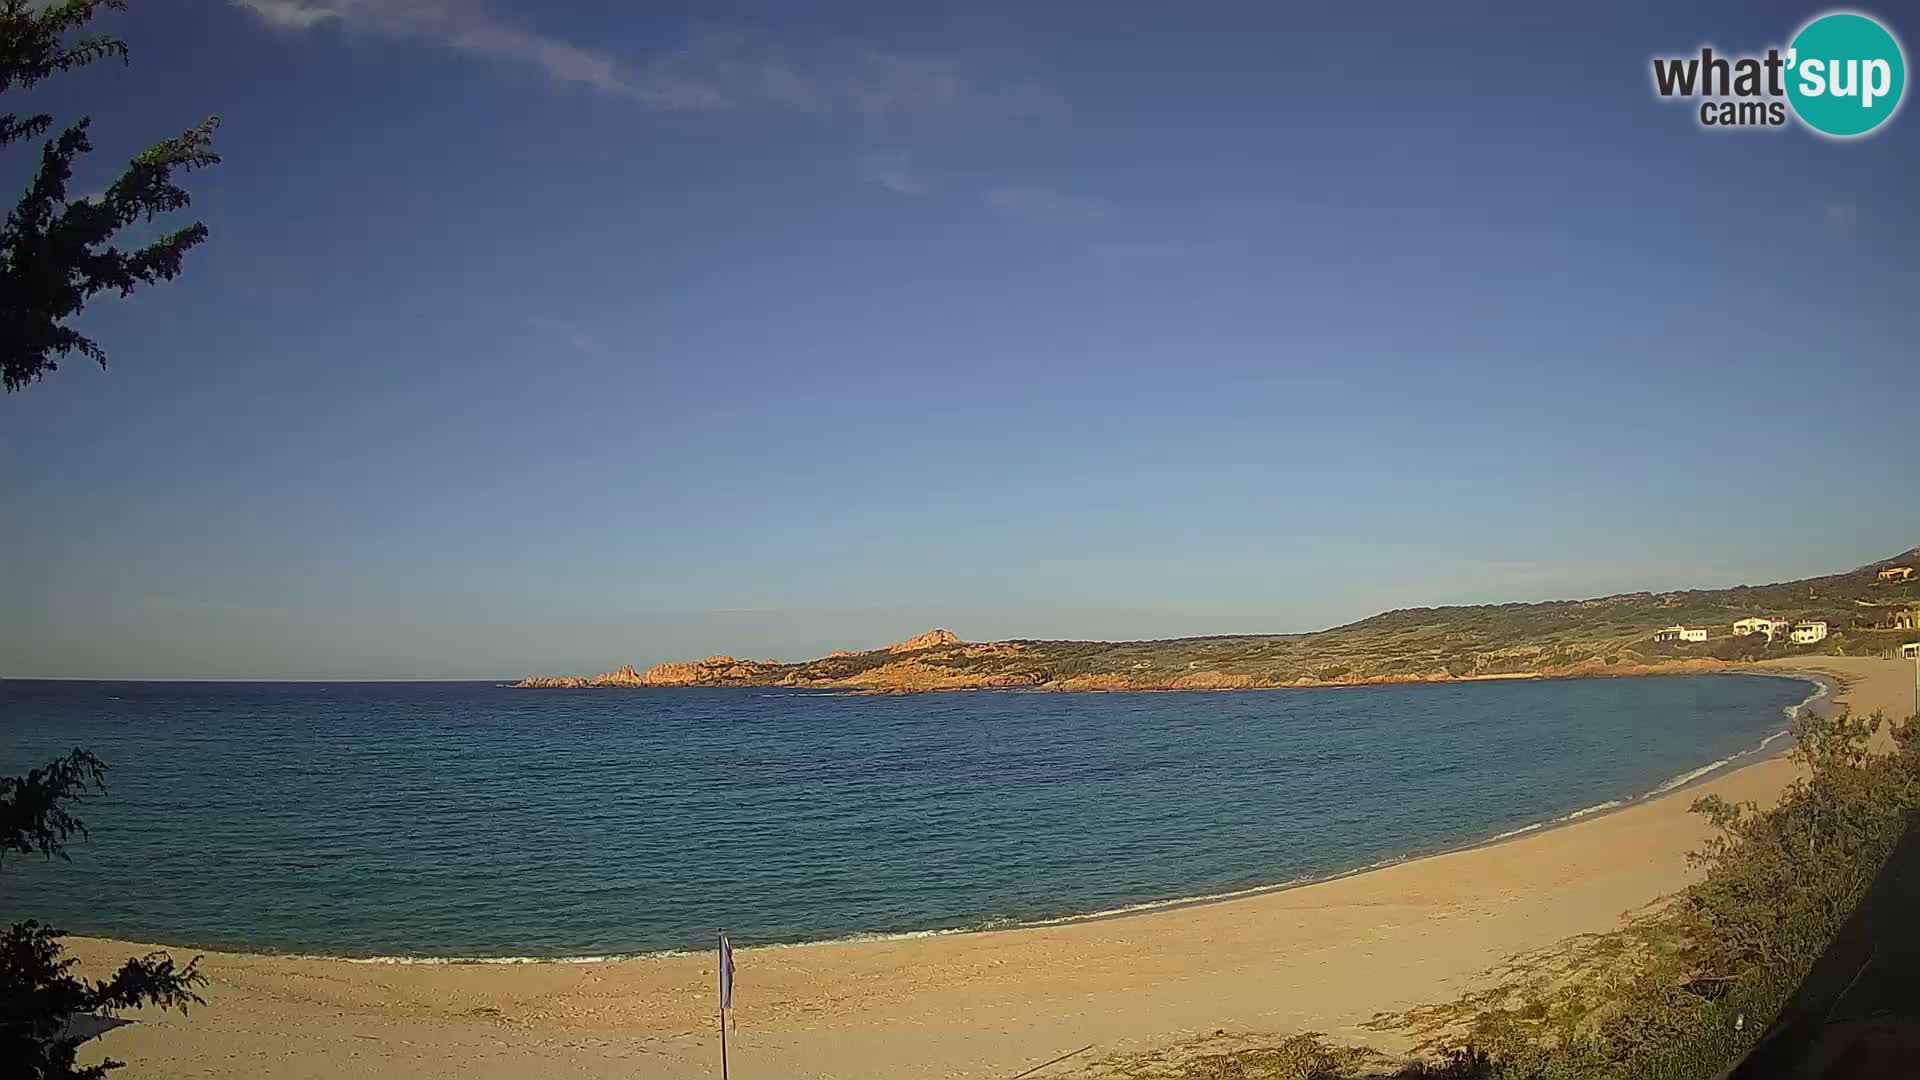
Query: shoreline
1775, 744
1823, 687
1322, 955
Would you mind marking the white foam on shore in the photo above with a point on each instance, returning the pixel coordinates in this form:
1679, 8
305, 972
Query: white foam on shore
1820, 689
1820, 692
1691, 775
1561, 820
437, 961
1103, 913
892, 935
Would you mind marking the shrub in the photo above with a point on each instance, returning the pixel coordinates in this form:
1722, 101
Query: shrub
1682, 990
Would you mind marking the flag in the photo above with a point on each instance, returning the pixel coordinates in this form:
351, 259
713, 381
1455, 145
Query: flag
726, 973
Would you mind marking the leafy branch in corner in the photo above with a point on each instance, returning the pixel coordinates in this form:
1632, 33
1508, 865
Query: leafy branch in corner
57, 253
39, 994
32, 817
40, 997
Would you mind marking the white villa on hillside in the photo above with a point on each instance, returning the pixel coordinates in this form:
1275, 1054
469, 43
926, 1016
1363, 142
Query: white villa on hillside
1770, 627
1807, 633
1681, 633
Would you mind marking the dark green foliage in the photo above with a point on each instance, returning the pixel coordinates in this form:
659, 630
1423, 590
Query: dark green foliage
56, 253
39, 994
32, 817
1307, 1056
1681, 992
1743, 647
1684, 992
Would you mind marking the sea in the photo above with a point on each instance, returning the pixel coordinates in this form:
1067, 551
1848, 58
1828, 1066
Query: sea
431, 822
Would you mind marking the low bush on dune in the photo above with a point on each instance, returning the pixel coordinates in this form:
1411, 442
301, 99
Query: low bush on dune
1307, 1055
1682, 990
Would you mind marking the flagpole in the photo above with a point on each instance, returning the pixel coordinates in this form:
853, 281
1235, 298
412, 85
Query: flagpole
723, 1005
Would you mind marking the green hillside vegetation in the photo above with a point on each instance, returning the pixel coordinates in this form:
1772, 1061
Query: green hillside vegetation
1568, 636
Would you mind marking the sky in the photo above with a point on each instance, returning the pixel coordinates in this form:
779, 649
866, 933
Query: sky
546, 337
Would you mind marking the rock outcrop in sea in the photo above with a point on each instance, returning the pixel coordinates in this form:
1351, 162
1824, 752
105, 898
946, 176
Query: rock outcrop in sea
624, 675
885, 672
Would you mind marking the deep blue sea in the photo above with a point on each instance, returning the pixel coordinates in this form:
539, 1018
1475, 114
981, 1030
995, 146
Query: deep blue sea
469, 819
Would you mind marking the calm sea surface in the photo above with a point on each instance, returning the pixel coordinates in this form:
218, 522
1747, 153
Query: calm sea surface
467, 819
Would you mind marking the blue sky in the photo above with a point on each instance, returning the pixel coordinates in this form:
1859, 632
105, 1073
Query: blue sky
546, 337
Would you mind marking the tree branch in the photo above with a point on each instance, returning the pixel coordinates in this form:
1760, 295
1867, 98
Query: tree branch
31, 815
30, 45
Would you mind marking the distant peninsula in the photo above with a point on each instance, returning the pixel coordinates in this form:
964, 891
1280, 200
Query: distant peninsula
1871, 610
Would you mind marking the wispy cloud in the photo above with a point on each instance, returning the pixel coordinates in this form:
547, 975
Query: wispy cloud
890, 169
293, 14
463, 26
1842, 217
1043, 205
715, 69
582, 342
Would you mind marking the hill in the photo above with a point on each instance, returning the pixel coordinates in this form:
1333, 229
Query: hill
1605, 635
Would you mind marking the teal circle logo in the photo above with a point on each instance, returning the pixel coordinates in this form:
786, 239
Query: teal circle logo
1845, 74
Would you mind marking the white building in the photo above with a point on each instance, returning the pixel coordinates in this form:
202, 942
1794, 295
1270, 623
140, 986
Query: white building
1771, 627
1911, 650
1681, 633
1807, 633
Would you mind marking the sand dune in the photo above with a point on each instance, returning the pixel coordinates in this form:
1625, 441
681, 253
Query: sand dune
1323, 957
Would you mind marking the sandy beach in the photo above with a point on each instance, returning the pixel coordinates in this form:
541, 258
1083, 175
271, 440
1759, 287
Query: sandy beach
1322, 957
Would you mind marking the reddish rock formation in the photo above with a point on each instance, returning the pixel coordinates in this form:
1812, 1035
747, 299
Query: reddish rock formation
624, 675
552, 682
723, 670
714, 670
932, 639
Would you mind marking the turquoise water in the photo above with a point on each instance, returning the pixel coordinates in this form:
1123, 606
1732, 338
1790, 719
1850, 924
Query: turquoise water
473, 820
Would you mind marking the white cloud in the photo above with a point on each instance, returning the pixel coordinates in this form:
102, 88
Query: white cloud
1043, 205
582, 342
561, 61
714, 69
890, 169
467, 27
292, 14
